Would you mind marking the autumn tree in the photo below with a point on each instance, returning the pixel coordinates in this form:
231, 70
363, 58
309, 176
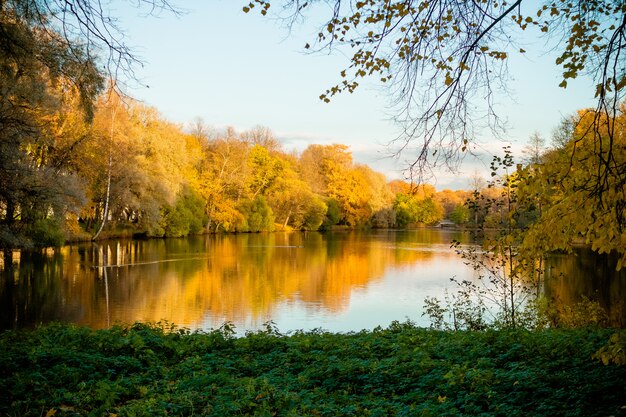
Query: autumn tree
264, 137
54, 56
264, 170
316, 160
330, 172
223, 176
452, 201
446, 61
45, 101
558, 187
134, 165
293, 202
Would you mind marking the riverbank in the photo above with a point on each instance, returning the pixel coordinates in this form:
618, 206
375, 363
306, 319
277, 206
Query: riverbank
403, 370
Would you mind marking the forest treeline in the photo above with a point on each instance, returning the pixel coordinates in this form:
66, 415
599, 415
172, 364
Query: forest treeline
124, 165
119, 164
130, 168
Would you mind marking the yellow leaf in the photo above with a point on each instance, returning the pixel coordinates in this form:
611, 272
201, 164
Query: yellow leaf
51, 412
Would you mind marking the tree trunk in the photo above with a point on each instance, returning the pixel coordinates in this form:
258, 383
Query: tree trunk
8, 259
286, 220
108, 195
106, 201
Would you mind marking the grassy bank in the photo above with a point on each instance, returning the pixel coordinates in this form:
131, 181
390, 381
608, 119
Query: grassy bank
403, 370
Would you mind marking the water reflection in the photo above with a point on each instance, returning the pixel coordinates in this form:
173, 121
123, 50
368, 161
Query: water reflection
337, 281
584, 273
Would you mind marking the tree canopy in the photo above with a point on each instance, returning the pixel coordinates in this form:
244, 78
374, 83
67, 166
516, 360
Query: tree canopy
83, 29
445, 60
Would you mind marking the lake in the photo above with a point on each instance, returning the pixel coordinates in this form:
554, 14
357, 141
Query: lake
339, 281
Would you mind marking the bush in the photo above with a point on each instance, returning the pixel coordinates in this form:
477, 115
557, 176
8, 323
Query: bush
257, 216
144, 370
185, 217
47, 232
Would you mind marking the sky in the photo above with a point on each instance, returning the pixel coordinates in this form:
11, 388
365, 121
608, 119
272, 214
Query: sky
230, 68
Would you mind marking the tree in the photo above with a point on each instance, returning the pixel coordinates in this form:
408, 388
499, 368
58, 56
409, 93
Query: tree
381, 195
451, 200
86, 28
560, 185
316, 161
147, 163
459, 215
349, 187
412, 209
293, 202
257, 216
534, 149
223, 176
333, 214
45, 101
264, 137
444, 61
51, 70
263, 168
185, 217
329, 171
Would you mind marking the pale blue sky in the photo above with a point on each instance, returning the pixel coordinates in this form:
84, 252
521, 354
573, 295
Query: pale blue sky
242, 70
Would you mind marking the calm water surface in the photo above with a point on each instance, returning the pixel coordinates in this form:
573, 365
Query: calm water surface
335, 281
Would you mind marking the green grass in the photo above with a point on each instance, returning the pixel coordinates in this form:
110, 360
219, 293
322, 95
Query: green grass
400, 371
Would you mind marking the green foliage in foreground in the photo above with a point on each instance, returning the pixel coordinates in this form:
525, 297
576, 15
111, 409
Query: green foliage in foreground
403, 371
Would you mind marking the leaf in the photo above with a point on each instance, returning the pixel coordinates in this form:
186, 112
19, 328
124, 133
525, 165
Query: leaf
51, 412
563, 84
599, 89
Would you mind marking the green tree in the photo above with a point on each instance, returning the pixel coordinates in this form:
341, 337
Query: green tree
257, 216
333, 214
460, 215
411, 209
185, 217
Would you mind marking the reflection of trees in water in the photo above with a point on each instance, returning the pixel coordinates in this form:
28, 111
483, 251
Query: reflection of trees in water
33, 291
227, 277
244, 277
585, 273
